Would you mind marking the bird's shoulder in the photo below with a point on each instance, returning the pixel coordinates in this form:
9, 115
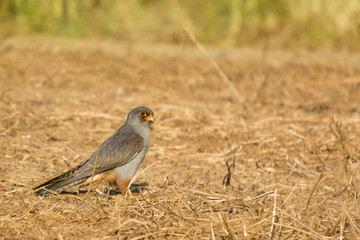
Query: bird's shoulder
121, 140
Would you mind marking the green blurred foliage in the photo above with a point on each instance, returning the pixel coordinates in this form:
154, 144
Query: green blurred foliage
278, 23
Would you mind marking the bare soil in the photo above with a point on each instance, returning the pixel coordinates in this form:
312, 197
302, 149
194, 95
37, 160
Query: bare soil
293, 135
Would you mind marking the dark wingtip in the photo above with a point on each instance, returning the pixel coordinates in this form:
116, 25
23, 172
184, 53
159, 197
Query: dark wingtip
43, 192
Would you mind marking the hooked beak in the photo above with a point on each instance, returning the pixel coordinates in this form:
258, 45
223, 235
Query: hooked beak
150, 118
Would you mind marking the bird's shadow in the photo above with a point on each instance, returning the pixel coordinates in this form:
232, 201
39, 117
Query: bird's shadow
134, 188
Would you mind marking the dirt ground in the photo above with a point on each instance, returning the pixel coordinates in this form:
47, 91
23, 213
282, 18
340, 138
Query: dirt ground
291, 126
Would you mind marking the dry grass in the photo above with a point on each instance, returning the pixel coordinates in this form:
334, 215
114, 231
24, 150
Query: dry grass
296, 171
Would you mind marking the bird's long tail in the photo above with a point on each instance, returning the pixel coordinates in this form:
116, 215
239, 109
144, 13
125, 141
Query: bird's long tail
59, 183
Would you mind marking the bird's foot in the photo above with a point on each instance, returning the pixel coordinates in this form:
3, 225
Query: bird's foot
128, 194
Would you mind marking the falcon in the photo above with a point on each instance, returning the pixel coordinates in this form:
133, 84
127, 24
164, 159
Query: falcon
115, 160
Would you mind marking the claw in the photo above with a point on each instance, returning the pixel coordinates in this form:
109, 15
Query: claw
129, 194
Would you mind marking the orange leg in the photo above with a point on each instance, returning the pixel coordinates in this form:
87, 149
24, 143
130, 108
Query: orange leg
112, 179
123, 185
113, 184
120, 184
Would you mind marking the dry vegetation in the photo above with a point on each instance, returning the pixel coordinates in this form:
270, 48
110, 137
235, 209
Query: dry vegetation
291, 142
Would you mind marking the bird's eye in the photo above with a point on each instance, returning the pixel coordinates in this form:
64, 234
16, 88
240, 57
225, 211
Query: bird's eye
143, 114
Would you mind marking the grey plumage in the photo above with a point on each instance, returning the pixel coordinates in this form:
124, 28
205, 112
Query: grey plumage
122, 153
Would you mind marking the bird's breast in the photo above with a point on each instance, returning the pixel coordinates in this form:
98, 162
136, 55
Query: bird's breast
127, 171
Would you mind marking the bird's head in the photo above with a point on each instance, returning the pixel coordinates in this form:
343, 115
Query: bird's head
141, 116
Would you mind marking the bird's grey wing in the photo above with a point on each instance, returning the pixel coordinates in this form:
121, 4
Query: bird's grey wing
114, 152
123, 152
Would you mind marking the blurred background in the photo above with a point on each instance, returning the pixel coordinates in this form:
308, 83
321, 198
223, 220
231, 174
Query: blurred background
226, 23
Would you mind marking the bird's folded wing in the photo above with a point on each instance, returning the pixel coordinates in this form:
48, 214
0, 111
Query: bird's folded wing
112, 153
118, 154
